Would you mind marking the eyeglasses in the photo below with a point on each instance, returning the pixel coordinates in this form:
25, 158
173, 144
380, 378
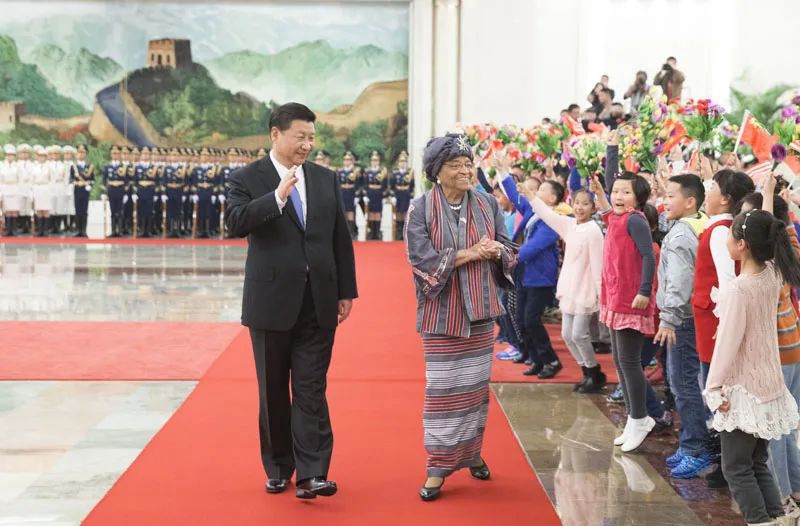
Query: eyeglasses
458, 166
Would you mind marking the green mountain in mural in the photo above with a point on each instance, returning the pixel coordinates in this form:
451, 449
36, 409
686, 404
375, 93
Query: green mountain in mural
78, 75
185, 105
24, 82
315, 73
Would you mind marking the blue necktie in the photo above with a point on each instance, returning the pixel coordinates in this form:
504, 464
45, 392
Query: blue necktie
298, 205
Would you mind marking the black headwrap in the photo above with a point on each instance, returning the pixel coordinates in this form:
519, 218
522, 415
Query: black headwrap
442, 149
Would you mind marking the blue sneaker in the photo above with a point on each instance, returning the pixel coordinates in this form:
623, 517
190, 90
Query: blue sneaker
675, 459
691, 467
617, 397
509, 353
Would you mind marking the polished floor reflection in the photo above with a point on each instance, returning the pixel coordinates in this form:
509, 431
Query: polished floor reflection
568, 440
121, 282
64, 444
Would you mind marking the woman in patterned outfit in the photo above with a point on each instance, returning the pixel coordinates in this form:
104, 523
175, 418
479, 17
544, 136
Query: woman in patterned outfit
460, 256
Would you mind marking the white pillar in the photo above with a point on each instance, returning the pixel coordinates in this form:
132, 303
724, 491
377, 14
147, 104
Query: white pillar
446, 73
420, 92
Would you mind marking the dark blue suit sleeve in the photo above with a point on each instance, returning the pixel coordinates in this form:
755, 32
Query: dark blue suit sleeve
520, 203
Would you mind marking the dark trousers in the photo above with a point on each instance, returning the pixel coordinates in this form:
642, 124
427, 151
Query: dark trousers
531, 303
295, 432
744, 464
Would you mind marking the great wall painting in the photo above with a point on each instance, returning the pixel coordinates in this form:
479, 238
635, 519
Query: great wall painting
183, 74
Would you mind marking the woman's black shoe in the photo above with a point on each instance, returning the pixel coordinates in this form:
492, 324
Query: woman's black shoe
481, 472
595, 382
428, 494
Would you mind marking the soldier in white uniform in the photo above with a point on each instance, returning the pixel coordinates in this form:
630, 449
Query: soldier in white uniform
24, 187
9, 189
42, 191
58, 183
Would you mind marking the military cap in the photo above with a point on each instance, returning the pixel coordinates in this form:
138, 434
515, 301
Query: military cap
9, 149
24, 148
403, 156
68, 149
83, 148
349, 155
375, 156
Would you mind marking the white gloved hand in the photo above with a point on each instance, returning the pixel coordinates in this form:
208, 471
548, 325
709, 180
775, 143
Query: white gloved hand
135, 197
222, 199
213, 199
366, 200
124, 199
104, 197
393, 201
183, 199
355, 201
88, 188
163, 198
195, 199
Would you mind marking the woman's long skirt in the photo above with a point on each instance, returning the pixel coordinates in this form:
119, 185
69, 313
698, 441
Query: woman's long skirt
456, 397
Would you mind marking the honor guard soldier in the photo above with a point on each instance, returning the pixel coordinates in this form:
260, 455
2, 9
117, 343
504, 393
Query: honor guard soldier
224, 173
59, 182
215, 162
42, 190
323, 158
147, 185
173, 180
25, 187
400, 188
9, 189
375, 181
69, 153
188, 192
129, 154
82, 178
349, 176
115, 183
204, 187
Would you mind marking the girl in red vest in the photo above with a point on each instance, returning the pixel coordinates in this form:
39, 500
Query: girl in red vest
627, 305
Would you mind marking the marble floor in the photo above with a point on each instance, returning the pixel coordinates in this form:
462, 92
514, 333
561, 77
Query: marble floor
64, 443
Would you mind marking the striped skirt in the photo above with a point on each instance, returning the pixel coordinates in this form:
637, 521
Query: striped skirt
456, 397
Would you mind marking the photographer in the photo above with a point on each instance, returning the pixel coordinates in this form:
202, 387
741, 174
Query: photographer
637, 91
670, 78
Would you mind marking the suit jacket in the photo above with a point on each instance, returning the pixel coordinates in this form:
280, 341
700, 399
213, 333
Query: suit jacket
282, 255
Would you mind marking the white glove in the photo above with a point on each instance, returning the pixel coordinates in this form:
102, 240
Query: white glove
366, 199
163, 199
155, 198
135, 197
124, 199
393, 200
104, 197
355, 201
222, 199
213, 199
183, 199
88, 188
195, 199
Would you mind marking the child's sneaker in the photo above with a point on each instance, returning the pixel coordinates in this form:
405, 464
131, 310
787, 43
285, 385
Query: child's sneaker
617, 397
691, 467
674, 459
509, 353
663, 424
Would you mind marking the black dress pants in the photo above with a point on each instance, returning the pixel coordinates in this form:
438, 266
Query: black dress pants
295, 431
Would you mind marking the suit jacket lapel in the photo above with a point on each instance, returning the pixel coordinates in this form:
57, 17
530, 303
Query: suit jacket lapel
311, 187
272, 180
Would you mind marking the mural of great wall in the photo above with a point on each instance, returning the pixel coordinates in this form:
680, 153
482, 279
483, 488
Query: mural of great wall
174, 98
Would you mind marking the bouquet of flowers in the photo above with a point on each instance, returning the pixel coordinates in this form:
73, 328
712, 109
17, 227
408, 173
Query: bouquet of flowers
787, 129
701, 118
643, 141
588, 152
724, 137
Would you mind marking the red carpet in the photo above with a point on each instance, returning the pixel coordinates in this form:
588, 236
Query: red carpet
116, 241
507, 371
111, 351
203, 466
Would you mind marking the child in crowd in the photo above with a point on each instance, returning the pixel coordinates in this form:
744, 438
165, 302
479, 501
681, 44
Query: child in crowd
626, 303
745, 387
713, 271
784, 455
539, 257
578, 289
685, 195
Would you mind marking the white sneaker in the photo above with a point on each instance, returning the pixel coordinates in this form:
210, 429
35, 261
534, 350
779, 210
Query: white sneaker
625, 432
640, 428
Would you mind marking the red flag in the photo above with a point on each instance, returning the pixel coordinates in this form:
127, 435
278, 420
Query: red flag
575, 127
758, 138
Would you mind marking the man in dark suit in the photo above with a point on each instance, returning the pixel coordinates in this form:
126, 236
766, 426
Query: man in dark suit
299, 285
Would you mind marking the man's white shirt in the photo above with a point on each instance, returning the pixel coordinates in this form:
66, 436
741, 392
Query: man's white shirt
300, 185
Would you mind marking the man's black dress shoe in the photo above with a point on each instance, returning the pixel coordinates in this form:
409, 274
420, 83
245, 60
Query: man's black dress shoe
550, 370
277, 485
519, 359
533, 370
480, 472
428, 494
310, 488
